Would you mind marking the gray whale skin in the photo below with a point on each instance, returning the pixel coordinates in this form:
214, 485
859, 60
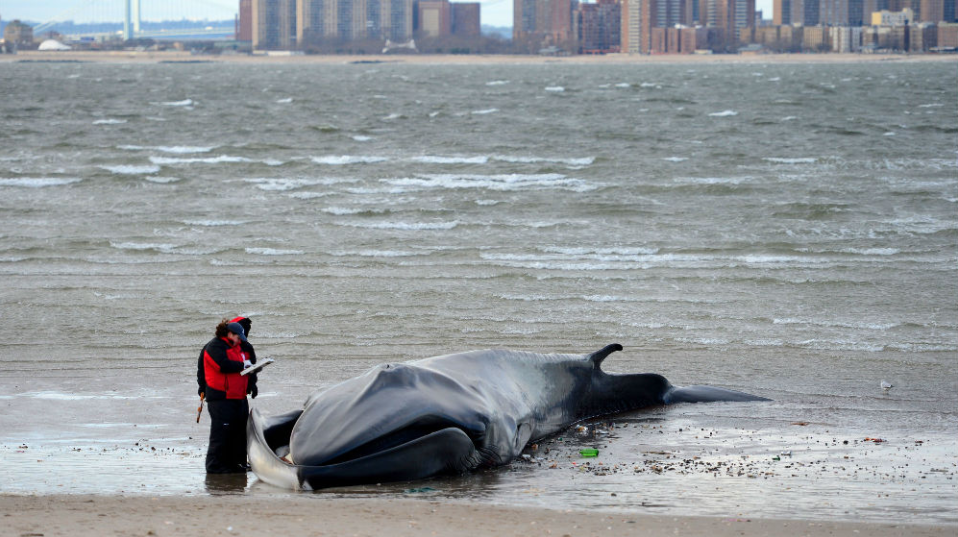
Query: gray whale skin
447, 415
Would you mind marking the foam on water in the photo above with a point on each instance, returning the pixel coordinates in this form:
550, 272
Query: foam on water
504, 182
183, 103
348, 159
724, 113
109, 121
450, 160
175, 149
403, 226
37, 182
287, 183
131, 169
273, 251
222, 159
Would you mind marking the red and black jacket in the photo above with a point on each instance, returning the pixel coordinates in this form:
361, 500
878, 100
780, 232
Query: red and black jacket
219, 368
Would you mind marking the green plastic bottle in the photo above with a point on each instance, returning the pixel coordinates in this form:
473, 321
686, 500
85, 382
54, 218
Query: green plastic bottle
589, 452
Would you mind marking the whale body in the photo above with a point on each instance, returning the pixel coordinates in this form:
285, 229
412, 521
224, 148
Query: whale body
447, 415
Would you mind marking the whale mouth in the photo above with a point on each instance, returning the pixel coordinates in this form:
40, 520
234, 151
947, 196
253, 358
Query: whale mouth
404, 436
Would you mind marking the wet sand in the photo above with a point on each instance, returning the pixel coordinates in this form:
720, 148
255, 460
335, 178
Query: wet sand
82, 515
470, 59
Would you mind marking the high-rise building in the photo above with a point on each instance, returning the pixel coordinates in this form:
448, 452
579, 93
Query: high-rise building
244, 29
598, 26
937, 10
466, 20
782, 12
273, 24
435, 18
635, 32
345, 20
841, 12
728, 17
543, 21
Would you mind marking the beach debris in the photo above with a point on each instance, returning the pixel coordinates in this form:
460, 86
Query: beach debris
419, 490
886, 386
800, 423
589, 452
875, 440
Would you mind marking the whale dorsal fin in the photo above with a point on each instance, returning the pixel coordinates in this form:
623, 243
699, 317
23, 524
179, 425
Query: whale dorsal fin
598, 356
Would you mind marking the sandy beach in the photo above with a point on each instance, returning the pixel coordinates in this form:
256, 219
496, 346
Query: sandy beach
82, 515
471, 59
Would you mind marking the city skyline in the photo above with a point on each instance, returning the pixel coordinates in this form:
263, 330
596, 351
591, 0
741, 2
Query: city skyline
494, 12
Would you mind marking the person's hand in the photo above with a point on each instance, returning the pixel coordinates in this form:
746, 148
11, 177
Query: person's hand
254, 391
200, 391
247, 363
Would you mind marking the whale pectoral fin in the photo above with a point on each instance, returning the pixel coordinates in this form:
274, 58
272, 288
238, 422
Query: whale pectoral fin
598, 356
707, 394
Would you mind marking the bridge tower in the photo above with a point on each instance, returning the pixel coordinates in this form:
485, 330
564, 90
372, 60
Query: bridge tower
131, 23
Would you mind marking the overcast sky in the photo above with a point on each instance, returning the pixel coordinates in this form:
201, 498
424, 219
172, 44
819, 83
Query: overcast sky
494, 12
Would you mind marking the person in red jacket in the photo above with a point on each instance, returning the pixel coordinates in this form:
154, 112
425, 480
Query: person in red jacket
219, 379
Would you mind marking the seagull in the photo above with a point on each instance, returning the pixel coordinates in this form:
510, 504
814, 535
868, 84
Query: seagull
885, 386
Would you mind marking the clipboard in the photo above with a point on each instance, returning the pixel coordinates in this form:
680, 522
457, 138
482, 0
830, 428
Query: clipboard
257, 367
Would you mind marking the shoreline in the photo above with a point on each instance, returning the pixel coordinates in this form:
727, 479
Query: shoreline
201, 516
472, 59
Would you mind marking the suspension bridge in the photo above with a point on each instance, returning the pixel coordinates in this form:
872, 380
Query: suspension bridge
158, 19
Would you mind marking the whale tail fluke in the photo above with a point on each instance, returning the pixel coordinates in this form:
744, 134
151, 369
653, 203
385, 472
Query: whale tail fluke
707, 394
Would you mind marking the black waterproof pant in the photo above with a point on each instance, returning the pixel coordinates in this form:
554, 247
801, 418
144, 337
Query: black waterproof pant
227, 451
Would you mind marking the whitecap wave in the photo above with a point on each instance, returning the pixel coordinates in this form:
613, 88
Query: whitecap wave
184, 102
555, 89
505, 182
450, 160
799, 160
163, 248
222, 159
162, 180
214, 223
281, 184
109, 122
126, 169
273, 251
497, 83
378, 253
405, 226
484, 111
724, 113
341, 160
38, 182
871, 251
175, 149
583, 161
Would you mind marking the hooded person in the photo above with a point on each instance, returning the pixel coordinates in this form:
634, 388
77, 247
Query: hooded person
218, 375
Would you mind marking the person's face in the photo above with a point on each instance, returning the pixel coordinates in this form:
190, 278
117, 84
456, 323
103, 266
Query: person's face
234, 339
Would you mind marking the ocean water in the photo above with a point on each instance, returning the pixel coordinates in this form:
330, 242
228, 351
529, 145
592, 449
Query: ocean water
786, 230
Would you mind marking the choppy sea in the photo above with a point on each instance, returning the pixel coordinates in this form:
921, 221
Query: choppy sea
786, 230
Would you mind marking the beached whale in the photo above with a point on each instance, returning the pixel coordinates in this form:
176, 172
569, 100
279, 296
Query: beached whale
448, 414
